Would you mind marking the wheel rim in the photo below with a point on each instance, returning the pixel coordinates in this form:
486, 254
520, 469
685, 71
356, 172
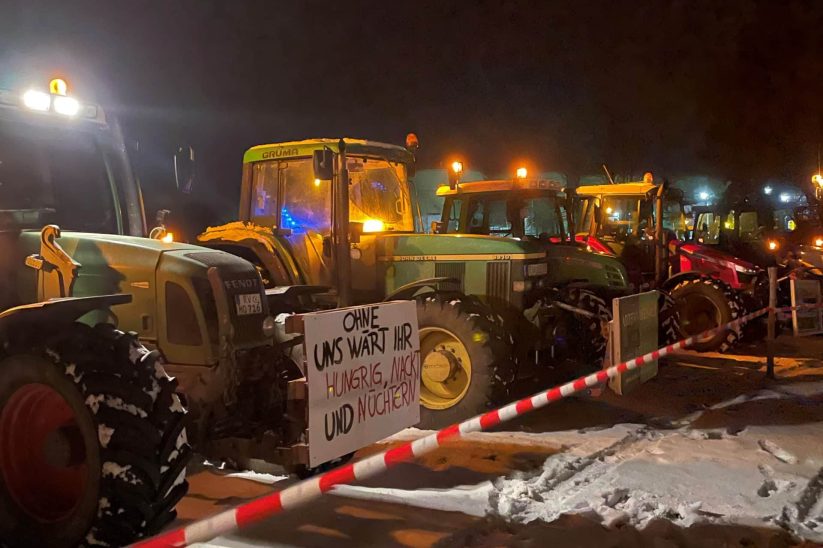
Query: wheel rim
699, 314
43, 458
447, 370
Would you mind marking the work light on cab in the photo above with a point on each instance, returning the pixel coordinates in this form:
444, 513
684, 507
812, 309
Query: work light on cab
773, 245
37, 100
521, 173
456, 169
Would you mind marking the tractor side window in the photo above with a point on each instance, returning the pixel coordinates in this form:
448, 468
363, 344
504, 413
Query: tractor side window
498, 219
749, 227
56, 177
306, 201
379, 191
264, 193
541, 219
476, 217
673, 217
620, 218
453, 221
707, 228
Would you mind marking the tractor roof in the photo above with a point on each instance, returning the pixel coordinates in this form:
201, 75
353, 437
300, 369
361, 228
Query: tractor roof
305, 148
503, 185
617, 189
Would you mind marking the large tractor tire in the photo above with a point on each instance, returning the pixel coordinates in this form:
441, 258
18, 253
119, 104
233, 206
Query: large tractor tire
466, 359
668, 315
586, 334
92, 443
706, 303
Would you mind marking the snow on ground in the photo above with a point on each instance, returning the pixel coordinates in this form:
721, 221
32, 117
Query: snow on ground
766, 476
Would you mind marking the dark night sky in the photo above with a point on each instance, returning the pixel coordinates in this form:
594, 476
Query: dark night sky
727, 88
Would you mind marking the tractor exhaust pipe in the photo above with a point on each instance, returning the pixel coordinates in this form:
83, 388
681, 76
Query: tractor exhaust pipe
341, 228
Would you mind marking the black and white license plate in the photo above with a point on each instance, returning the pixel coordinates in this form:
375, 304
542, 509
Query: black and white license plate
248, 303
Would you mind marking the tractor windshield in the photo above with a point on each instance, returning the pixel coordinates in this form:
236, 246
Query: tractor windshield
286, 194
532, 215
379, 191
57, 175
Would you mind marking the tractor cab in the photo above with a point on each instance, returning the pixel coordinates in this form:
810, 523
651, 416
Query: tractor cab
530, 210
761, 231
622, 220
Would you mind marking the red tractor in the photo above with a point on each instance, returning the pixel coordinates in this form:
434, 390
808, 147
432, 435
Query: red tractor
643, 224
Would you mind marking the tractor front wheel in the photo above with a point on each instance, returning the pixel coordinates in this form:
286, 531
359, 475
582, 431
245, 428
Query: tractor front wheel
588, 331
92, 445
466, 361
704, 304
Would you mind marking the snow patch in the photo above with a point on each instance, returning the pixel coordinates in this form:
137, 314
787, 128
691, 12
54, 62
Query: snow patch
94, 401
469, 499
762, 476
267, 479
778, 452
104, 434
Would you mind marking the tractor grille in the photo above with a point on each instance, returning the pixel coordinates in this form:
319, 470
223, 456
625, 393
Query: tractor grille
451, 270
238, 277
614, 277
497, 280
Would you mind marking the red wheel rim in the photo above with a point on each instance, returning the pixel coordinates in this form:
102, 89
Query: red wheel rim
42, 453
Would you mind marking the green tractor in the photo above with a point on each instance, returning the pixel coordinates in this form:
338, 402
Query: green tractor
580, 283
338, 214
93, 434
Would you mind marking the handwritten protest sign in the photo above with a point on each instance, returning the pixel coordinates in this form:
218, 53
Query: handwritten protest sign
363, 373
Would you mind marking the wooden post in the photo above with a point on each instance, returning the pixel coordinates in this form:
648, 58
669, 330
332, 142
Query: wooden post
772, 322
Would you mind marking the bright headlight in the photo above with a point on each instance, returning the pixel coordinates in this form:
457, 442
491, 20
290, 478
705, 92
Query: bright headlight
373, 225
537, 269
269, 326
36, 100
67, 106
773, 244
818, 242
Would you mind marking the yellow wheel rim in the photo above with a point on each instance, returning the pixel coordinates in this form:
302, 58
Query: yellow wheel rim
447, 369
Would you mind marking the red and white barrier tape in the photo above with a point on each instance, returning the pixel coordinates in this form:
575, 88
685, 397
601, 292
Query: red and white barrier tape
307, 490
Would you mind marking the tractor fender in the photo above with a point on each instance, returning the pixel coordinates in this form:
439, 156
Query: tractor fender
672, 282
258, 245
54, 313
406, 292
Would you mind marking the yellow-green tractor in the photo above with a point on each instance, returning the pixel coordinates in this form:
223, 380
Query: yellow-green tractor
93, 435
338, 216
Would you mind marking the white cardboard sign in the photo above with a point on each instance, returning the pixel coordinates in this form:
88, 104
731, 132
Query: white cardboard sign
363, 373
807, 321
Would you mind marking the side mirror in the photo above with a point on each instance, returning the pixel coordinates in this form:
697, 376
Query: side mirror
184, 169
323, 163
355, 231
437, 227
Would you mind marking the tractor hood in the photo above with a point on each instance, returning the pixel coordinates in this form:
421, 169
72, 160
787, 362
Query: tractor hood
574, 263
433, 247
146, 269
719, 258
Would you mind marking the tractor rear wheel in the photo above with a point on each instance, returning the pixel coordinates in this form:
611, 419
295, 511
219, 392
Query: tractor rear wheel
92, 444
668, 315
466, 359
706, 303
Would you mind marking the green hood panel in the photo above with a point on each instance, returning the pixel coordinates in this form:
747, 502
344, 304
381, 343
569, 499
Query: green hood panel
118, 264
454, 247
568, 262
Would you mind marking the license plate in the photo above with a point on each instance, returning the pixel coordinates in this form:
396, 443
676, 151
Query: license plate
249, 303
